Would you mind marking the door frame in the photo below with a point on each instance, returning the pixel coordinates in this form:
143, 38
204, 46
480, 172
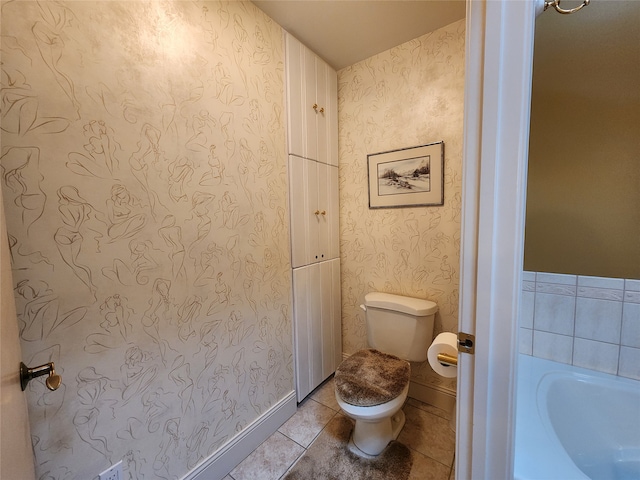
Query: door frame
16, 452
498, 70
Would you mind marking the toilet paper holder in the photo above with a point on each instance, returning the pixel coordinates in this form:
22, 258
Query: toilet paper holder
447, 360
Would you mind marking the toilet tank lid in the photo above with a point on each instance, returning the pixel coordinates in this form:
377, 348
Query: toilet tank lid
400, 303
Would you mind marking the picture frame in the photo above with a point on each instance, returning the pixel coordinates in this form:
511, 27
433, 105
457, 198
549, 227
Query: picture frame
408, 177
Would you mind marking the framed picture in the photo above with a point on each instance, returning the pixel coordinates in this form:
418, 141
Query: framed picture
409, 177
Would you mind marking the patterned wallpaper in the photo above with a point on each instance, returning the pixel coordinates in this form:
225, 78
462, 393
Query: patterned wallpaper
143, 169
408, 96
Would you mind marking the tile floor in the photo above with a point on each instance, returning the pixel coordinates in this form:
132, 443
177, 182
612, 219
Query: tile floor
426, 433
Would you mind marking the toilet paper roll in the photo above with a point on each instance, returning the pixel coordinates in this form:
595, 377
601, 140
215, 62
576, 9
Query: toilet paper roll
445, 342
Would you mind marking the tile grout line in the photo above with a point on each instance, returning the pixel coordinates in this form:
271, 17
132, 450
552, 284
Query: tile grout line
306, 448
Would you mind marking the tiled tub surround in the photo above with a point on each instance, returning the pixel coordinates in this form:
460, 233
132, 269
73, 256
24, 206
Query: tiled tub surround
589, 322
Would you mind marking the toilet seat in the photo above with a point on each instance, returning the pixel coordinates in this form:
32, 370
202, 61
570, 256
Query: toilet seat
369, 378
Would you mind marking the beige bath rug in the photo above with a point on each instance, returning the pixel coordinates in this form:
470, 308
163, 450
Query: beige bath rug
329, 458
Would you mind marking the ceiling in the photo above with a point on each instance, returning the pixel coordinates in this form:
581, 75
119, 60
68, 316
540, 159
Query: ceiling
344, 32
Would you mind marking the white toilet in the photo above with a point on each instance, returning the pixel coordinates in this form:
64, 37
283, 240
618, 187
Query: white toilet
372, 384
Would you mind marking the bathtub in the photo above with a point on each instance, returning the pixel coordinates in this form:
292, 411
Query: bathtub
574, 423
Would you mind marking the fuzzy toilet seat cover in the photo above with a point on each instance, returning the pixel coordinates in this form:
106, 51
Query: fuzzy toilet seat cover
369, 377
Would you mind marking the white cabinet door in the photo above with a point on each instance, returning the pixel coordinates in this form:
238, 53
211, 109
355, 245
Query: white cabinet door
322, 100
310, 106
317, 324
327, 113
328, 219
312, 102
306, 281
331, 317
314, 209
303, 191
295, 80
331, 117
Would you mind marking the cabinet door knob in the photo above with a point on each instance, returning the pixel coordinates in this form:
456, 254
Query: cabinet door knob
317, 212
322, 110
315, 107
323, 212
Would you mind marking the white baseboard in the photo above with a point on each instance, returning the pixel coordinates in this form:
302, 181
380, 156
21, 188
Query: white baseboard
227, 457
441, 398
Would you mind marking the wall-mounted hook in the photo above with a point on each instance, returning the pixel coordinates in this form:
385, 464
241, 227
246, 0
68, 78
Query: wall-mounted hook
52, 382
556, 5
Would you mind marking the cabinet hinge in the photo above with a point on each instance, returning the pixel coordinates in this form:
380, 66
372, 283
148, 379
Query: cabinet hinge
466, 343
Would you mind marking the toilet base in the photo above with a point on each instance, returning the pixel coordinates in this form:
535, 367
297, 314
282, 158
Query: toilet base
372, 437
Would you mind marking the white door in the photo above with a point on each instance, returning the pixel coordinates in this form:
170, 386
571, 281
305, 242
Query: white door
16, 456
499, 59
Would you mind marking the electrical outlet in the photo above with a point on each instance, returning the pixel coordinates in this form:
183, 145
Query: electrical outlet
114, 472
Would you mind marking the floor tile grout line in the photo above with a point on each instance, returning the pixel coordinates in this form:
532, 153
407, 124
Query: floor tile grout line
321, 430
430, 457
315, 436
290, 467
294, 441
305, 448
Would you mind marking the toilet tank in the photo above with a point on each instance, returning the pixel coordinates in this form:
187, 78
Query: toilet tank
398, 325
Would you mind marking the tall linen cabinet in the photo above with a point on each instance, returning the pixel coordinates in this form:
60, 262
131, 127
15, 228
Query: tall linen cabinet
312, 123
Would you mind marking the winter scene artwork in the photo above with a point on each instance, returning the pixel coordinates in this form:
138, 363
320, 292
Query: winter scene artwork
404, 176
407, 177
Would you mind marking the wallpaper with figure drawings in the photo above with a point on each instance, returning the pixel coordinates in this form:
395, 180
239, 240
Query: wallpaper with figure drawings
143, 170
408, 96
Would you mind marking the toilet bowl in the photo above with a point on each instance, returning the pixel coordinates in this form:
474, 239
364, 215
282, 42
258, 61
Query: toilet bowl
371, 388
372, 384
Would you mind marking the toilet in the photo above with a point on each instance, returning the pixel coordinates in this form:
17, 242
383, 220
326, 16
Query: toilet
372, 384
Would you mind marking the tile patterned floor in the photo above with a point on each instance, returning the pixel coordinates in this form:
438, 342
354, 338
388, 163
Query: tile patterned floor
426, 433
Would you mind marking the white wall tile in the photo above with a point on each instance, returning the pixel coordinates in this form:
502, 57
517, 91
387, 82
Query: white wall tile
601, 293
551, 346
602, 313
556, 288
632, 297
558, 278
527, 309
601, 282
599, 356
525, 341
629, 363
598, 319
632, 285
632, 291
630, 325
554, 313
